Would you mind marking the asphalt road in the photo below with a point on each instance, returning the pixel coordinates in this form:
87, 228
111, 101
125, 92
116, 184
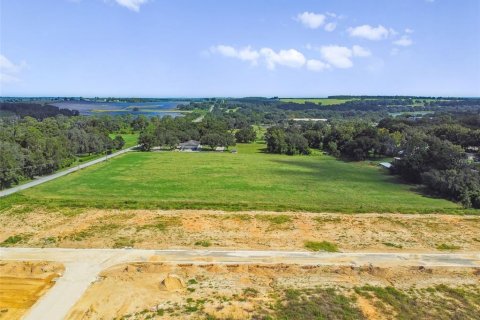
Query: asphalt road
44, 179
200, 119
82, 266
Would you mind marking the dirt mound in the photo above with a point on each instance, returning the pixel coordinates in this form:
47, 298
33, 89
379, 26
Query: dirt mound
21, 269
172, 283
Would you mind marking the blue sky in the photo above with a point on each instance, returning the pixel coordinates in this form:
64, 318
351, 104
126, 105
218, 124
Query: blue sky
198, 48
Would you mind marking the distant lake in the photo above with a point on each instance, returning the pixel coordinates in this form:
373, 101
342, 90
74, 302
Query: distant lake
149, 109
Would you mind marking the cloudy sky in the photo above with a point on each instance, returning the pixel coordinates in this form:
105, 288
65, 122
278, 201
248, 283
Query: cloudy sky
193, 48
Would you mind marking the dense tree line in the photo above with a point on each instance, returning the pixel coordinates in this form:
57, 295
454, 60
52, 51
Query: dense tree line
213, 132
355, 139
30, 147
428, 151
433, 153
35, 110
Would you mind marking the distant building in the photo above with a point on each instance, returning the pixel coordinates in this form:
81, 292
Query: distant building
189, 146
472, 157
310, 119
386, 165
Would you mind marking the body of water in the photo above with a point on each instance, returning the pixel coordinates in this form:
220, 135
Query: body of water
159, 108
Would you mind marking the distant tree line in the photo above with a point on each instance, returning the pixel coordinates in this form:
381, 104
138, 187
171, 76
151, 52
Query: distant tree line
35, 110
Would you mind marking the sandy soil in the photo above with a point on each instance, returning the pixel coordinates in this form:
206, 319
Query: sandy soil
156, 229
143, 290
23, 283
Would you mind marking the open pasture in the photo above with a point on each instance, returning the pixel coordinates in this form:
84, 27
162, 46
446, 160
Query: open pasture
248, 180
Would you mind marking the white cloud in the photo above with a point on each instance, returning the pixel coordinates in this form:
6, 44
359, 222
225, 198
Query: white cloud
133, 5
371, 33
331, 56
404, 41
226, 51
360, 51
317, 65
289, 58
9, 71
311, 20
330, 26
337, 56
341, 57
409, 31
244, 54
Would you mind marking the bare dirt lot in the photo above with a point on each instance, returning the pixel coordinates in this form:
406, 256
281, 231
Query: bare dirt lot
23, 283
157, 229
154, 290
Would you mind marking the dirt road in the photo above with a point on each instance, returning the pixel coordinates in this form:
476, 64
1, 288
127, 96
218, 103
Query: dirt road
82, 266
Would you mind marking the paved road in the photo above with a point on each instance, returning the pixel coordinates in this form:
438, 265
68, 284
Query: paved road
82, 266
61, 173
200, 119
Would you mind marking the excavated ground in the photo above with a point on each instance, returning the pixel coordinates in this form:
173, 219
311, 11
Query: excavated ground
159, 229
159, 290
23, 283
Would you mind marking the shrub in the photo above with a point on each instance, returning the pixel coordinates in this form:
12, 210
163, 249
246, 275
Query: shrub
445, 246
321, 246
203, 243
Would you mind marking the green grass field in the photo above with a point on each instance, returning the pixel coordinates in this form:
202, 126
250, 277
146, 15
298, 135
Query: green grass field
323, 101
131, 139
249, 180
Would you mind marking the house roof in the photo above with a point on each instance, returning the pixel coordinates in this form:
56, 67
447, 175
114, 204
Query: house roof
190, 143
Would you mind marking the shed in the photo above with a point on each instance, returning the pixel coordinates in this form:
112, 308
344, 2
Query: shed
386, 165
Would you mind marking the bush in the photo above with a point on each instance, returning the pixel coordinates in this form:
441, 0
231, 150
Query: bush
445, 246
203, 243
321, 246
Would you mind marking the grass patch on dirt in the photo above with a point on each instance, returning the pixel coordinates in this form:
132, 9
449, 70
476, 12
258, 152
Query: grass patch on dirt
12, 240
321, 246
274, 219
393, 245
440, 302
203, 243
101, 230
161, 224
316, 304
445, 246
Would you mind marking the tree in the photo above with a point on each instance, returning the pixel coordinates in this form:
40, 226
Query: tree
246, 135
275, 138
118, 142
296, 144
11, 164
212, 140
146, 141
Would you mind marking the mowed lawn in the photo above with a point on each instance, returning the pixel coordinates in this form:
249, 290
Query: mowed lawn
131, 139
249, 180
